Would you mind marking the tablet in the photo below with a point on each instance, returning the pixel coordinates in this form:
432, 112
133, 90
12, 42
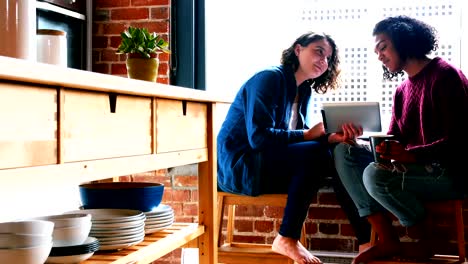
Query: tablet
365, 114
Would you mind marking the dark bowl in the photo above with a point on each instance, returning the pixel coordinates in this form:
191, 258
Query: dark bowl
142, 196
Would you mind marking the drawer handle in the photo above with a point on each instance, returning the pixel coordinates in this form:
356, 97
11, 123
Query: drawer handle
112, 102
184, 107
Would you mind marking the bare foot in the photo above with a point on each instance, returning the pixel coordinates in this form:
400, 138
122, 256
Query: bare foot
378, 251
293, 249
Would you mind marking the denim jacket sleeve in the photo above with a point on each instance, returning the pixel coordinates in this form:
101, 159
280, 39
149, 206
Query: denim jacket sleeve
267, 99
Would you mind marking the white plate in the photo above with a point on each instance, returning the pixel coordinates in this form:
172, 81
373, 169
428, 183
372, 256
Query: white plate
126, 237
113, 233
113, 230
157, 222
112, 215
122, 241
130, 224
161, 209
161, 216
159, 225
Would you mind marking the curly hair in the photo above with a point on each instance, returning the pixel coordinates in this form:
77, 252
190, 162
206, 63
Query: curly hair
329, 79
411, 38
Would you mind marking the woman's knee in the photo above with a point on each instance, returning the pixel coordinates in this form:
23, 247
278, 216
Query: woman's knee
377, 179
341, 151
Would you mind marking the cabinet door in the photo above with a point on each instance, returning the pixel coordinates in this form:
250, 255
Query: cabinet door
28, 118
98, 125
180, 125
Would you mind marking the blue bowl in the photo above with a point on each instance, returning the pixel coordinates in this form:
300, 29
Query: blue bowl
143, 196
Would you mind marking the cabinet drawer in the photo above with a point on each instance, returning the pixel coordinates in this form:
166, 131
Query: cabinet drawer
180, 125
96, 125
28, 126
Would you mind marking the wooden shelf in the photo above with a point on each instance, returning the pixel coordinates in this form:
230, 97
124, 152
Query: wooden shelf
153, 247
64, 127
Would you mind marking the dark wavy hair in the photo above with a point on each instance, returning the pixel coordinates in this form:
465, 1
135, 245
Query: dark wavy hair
411, 38
329, 79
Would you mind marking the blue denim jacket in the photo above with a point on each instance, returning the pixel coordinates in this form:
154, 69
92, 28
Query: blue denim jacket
258, 117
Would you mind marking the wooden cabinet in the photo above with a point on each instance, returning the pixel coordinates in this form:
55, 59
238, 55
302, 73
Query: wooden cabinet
180, 125
69, 126
98, 125
28, 118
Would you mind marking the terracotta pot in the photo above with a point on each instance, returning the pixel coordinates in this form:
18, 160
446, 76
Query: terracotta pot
145, 69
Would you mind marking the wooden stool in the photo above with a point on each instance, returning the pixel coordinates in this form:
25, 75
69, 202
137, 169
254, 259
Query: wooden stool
238, 253
455, 209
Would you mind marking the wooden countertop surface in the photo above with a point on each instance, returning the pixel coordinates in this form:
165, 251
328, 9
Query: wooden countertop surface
51, 75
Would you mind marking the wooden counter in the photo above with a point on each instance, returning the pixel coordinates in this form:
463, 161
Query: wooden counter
69, 126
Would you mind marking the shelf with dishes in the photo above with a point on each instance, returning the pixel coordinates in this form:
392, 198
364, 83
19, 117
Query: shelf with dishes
64, 127
154, 245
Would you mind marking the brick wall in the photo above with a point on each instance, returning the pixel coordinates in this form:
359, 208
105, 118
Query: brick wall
327, 226
111, 17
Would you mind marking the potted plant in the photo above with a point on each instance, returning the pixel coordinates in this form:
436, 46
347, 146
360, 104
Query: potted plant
142, 49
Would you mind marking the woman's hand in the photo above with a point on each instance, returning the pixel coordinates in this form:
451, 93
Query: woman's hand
314, 132
350, 133
394, 150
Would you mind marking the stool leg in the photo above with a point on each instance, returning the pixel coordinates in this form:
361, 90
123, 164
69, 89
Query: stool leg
303, 239
373, 238
460, 230
220, 220
230, 223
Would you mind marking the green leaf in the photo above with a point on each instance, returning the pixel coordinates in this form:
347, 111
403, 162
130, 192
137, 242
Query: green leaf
141, 41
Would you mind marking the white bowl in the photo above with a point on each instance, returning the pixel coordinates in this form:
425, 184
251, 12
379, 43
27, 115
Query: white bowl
66, 220
35, 227
70, 236
29, 255
11, 240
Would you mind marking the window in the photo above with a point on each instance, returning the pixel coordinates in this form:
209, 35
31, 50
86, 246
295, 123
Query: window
244, 36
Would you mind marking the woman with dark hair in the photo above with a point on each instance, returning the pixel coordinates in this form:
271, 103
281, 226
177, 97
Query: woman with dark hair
429, 122
264, 145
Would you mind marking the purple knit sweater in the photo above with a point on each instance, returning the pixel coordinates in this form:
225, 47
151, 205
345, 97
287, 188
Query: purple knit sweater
430, 113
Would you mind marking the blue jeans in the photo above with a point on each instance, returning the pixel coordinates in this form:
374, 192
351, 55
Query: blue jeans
400, 189
299, 170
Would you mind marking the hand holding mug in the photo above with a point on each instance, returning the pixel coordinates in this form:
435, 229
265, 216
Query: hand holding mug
393, 150
381, 147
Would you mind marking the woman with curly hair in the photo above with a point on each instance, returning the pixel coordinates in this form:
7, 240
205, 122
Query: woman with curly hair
264, 145
429, 124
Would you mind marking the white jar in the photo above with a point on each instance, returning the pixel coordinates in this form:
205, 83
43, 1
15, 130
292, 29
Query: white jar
52, 46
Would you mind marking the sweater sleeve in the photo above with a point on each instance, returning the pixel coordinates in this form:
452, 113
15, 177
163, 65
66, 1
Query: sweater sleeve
449, 102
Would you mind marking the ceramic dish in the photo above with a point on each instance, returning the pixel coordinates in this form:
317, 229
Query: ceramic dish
119, 245
143, 196
29, 255
161, 209
37, 227
91, 244
112, 215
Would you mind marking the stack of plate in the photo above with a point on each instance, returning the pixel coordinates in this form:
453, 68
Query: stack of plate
117, 228
75, 253
159, 218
